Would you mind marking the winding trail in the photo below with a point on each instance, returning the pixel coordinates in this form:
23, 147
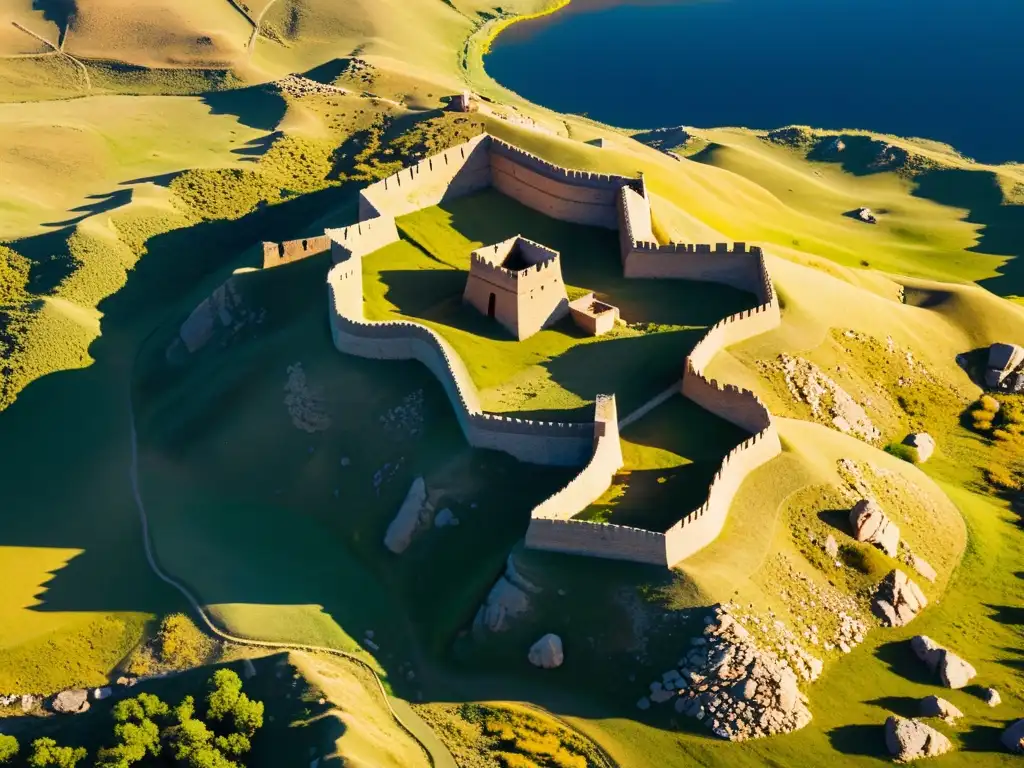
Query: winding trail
412, 724
59, 50
256, 27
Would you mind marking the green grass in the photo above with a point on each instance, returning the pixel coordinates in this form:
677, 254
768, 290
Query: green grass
671, 456
559, 369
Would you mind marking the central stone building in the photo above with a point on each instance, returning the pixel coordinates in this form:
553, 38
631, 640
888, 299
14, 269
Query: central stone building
519, 283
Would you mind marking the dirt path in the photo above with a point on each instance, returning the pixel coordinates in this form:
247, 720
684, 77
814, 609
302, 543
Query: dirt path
59, 51
649, 406
409, 721
256, 27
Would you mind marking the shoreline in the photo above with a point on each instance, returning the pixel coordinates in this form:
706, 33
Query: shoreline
501, 24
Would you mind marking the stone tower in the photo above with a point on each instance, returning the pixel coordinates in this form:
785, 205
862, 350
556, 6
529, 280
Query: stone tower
519, 283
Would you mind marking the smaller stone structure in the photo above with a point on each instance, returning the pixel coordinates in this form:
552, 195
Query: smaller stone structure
461, 102
593, 317
519, 283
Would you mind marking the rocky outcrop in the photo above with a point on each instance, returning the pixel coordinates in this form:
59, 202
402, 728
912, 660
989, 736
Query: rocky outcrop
737, 689
933, 706
954, 671
866, 215
1013, 737
872, 525
445, 518
547, 652
923, 568
71, 702
898, 600
508, 598
924, 443
1005, 367
927, 650
401, 530
223, 307
909, 740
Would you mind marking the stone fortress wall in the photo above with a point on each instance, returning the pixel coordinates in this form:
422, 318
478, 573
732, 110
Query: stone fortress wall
581, 197
275, 254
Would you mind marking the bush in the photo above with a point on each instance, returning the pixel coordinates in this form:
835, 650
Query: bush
8, 749
181, 643
1004, 479
987, 404
46, 753
865, 559
14, 270
902, 451
225, 690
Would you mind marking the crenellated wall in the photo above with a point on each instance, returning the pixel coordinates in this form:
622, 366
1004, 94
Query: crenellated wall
275, 254
615, 202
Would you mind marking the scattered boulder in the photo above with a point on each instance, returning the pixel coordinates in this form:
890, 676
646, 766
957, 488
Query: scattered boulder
221, 306
927, 650
866, 215
833, 146
403, 527
504, 601
99, 694
547, 652
1013, 737
461, 102
933, 706
898, 600
992, 697
924, 443
954, 671
872, 525
923, 568
29, 702
1004, 361
71, 702
909, 740
248, 669
445, 518
831, 547
740, 691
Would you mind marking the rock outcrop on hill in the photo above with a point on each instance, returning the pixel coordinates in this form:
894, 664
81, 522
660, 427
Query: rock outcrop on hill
71, 702
547, 652
953, 671
401, 530
872, 525
1005, 367
898, 600
923, 443
740, 691
909, 740
508, 598
1013, 737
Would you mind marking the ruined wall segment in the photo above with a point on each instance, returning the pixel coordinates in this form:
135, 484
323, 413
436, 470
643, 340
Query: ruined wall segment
275, 254
456, 172
361, 239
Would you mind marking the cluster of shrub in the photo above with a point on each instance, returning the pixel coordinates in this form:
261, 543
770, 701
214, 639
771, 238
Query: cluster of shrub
148, 731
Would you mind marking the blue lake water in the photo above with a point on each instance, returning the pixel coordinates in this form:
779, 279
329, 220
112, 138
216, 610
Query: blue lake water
950, 70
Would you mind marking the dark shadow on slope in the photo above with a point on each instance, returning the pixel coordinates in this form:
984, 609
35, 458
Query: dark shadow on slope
984, 738
1007, 614
328, 72
904, 706
257, 106
102, 203
256, 148
902, 661
59, 12
160, 179
866, 740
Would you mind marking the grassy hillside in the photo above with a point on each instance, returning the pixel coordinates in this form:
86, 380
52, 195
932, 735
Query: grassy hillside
139, 184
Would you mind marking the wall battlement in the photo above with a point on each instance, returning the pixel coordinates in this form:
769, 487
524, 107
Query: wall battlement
275, 254
615, 202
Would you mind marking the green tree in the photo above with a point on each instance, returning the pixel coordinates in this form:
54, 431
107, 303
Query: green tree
189, 737
142, 707
247, 715
234, 744
225, 688
185, 710
8, 749
46, 753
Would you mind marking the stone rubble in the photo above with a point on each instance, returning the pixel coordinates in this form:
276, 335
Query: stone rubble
737, 689
872, 525
909, 740
306, 405
299, 86
405, 419
898, 600
808, 383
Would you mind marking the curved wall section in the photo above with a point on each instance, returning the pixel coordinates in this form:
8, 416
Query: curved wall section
615, 202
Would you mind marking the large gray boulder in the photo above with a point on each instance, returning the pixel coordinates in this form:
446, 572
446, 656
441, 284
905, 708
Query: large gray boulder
954, 671
1003, 359
927, 650
401, 530
898, 600
909, 740
547, 652
933, 706
872, 525
1013, 737
71, 702
923, 443
505, 601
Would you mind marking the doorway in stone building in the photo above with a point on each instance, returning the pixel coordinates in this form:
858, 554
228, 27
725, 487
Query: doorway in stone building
490, 306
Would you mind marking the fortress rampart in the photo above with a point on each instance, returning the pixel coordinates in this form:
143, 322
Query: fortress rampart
615, 202
275, 254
